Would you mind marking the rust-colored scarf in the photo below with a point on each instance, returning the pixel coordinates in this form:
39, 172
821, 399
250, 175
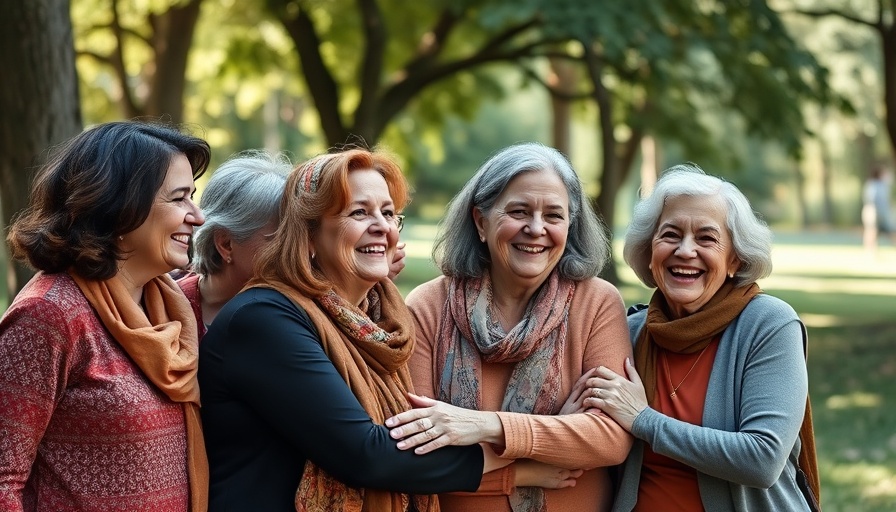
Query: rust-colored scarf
163, 343
693, 333
370, 348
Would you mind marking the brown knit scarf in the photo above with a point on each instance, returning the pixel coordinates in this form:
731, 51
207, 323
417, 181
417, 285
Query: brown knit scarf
693, 333
163, 343
370, 348
468, 335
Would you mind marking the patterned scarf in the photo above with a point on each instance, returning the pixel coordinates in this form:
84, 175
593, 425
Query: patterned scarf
693, 333
164, 345
370, 347
469, 334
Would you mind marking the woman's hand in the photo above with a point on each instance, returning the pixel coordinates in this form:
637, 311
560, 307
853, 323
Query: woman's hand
434, 424
532, 473
620, 398
580, 391
398, 262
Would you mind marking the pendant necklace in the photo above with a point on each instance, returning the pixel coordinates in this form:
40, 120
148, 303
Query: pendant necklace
669, 374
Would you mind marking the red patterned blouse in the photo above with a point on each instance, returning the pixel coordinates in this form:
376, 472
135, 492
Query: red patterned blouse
81, 428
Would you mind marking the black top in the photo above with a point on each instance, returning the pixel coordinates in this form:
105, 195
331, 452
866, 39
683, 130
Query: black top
272, 399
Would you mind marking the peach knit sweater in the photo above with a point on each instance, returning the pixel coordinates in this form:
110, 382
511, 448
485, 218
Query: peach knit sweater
597, 335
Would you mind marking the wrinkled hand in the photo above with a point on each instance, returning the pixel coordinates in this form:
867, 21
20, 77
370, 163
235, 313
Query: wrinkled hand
532, 473
398, 262
434, 424
620, 398
580, 391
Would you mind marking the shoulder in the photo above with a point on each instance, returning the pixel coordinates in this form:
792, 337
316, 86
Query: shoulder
768, 308
595, 288
430, 292
189, 283
49, 293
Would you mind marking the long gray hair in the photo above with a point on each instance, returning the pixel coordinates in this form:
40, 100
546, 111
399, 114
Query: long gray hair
458, 250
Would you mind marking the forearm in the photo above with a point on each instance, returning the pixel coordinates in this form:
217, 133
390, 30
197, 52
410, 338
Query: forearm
573, 441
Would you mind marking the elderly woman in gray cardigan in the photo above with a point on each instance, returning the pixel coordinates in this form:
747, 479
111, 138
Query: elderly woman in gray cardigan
717, 396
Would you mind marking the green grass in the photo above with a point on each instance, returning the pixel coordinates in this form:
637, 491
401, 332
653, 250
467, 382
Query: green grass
848, 301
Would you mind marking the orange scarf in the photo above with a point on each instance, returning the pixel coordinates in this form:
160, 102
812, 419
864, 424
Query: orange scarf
693, 333
163, 343
370, 349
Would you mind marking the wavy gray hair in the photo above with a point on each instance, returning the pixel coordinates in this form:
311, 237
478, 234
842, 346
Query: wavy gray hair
241, 197
458, 250
750, 236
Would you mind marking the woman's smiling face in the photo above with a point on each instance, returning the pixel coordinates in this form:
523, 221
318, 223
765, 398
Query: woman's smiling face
692, 252
526, 229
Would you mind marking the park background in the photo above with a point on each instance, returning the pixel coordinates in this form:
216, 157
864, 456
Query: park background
792, 100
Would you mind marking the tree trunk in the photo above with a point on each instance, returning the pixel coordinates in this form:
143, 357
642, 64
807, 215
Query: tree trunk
609, 179
888, 41
171, 40
39, 103
801, 201
563, 78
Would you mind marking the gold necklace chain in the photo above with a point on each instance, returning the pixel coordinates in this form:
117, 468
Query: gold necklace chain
669, 374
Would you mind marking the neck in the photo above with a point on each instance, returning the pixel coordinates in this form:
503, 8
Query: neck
133, 284
354, 293
215, 290
510, 299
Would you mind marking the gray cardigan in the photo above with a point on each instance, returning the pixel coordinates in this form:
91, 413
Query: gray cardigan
746, 451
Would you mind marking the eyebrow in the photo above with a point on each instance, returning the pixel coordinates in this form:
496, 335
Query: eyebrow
188, 190
699, 230
515, 203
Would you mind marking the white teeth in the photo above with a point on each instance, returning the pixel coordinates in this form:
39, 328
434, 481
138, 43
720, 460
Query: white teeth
530, 249
373, 249
184, 239
688, 272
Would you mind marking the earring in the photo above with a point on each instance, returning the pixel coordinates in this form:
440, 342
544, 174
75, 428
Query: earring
730, 274
120, 238
229, 260
313, 254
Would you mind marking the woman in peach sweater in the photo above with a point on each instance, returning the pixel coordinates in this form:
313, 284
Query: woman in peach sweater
505, 335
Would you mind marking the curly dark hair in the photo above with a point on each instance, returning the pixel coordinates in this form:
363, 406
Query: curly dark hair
97, 186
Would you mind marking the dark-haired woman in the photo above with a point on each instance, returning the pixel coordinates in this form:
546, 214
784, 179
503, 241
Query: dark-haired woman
98, 353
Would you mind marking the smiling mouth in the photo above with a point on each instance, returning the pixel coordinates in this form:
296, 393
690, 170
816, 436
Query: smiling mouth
686, 273
372, 249
530, 249
184, 239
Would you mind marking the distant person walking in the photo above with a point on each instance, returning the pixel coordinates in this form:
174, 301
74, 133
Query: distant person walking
877, 218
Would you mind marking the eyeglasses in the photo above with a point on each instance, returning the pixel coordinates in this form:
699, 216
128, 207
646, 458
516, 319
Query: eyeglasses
398, 220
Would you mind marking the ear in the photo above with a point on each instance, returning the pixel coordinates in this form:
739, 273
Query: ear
734, 265
481, 222
224, 245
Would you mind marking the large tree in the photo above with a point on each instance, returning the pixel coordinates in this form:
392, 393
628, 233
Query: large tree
366, 61
145, 50
38, 100
660, 68
880, 19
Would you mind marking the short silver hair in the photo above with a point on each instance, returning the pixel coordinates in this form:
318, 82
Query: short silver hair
458, 250
750, 236
242, 196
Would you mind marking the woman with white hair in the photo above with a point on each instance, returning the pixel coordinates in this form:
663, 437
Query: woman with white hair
505, 334
717, 397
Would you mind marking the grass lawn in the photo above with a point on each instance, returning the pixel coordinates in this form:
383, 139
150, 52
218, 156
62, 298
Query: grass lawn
848, 301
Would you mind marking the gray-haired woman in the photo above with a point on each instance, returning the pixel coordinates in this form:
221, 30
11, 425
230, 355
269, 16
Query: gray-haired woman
717, 397
240, 204
509, 329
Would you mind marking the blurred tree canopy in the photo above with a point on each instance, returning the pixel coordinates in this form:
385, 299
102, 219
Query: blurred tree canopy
440, 81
